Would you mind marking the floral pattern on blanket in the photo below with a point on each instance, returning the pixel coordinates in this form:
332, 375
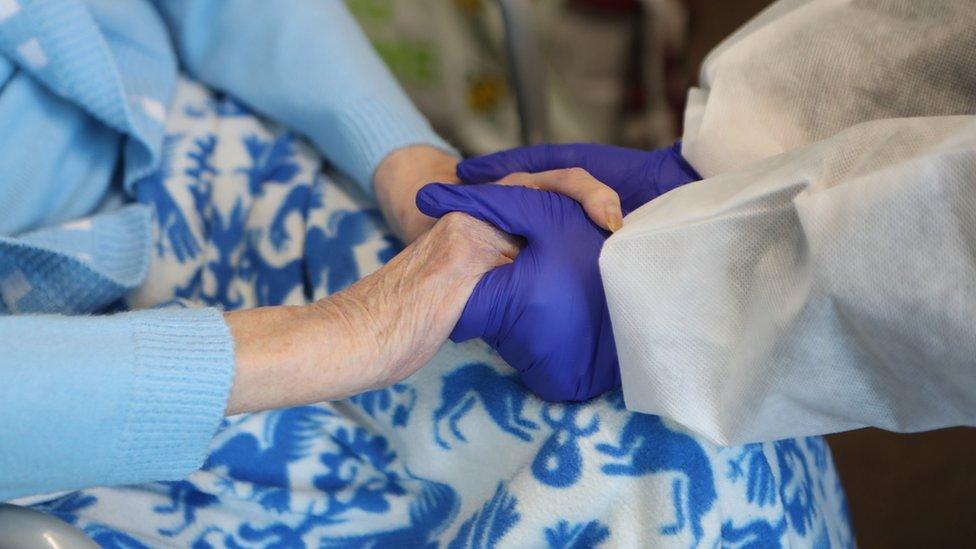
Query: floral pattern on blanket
459, 455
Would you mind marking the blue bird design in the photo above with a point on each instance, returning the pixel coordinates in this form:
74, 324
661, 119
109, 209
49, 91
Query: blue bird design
245, 458
173, 227
272, 162
332, 256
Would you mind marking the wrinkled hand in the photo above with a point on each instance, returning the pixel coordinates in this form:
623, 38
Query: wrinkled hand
373, 334
545, 313
398, 178
407, 309
608, 181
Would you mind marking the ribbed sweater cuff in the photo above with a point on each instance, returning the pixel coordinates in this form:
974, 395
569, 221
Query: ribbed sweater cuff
183, 373
372, 129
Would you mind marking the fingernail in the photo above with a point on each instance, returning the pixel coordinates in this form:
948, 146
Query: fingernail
615, 219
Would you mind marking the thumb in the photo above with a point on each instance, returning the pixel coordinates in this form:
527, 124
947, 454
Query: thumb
515, 210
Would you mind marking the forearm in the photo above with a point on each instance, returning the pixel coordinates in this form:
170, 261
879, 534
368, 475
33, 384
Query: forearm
373, 334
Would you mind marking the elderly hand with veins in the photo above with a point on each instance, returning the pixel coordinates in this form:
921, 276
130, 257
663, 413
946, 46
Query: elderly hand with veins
373, 334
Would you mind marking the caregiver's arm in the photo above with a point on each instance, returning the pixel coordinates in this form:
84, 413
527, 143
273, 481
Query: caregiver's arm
307, 64
825, 289
135, 397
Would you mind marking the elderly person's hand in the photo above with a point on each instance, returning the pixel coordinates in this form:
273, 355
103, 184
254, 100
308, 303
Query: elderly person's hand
545, 313
397, 180
373, 334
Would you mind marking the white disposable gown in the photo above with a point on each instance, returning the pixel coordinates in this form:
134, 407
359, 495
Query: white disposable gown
822, 277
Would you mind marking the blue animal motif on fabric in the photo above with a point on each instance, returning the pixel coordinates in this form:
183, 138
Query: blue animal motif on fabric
647, 446
184, 499
227, 236
501, 396
488, 525
397, 401
173, 227
559, 462
272, 162
332, 254
430, 514
751, 464
300, 199
577, 536
265, 462
796, 485
272, 283
758, 534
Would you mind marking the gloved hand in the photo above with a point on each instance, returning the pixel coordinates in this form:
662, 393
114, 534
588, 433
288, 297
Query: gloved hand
636, 176
545, 313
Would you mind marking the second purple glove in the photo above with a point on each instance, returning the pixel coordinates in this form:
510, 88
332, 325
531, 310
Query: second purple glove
545, 313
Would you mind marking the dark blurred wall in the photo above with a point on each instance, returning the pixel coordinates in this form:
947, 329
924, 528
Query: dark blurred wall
916, 490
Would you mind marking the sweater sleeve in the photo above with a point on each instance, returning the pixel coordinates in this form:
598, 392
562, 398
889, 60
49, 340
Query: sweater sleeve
109, 400
306, 64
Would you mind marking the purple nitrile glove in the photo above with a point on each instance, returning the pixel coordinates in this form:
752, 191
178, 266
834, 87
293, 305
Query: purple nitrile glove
637, 176
545, 313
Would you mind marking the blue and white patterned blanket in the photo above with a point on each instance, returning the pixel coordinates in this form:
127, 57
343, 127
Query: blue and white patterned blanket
459, 455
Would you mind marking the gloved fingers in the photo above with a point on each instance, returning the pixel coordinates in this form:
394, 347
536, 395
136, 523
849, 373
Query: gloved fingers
512, 209
535, 158
601, 203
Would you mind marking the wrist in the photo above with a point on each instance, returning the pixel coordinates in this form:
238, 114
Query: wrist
398, 178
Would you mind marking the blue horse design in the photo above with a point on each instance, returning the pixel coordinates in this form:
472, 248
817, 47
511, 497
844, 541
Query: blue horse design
288, 435
501, 395
272, 162
332, 256
559, 462
650, 448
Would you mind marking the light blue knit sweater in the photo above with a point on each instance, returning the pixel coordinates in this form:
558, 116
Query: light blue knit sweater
84, 85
